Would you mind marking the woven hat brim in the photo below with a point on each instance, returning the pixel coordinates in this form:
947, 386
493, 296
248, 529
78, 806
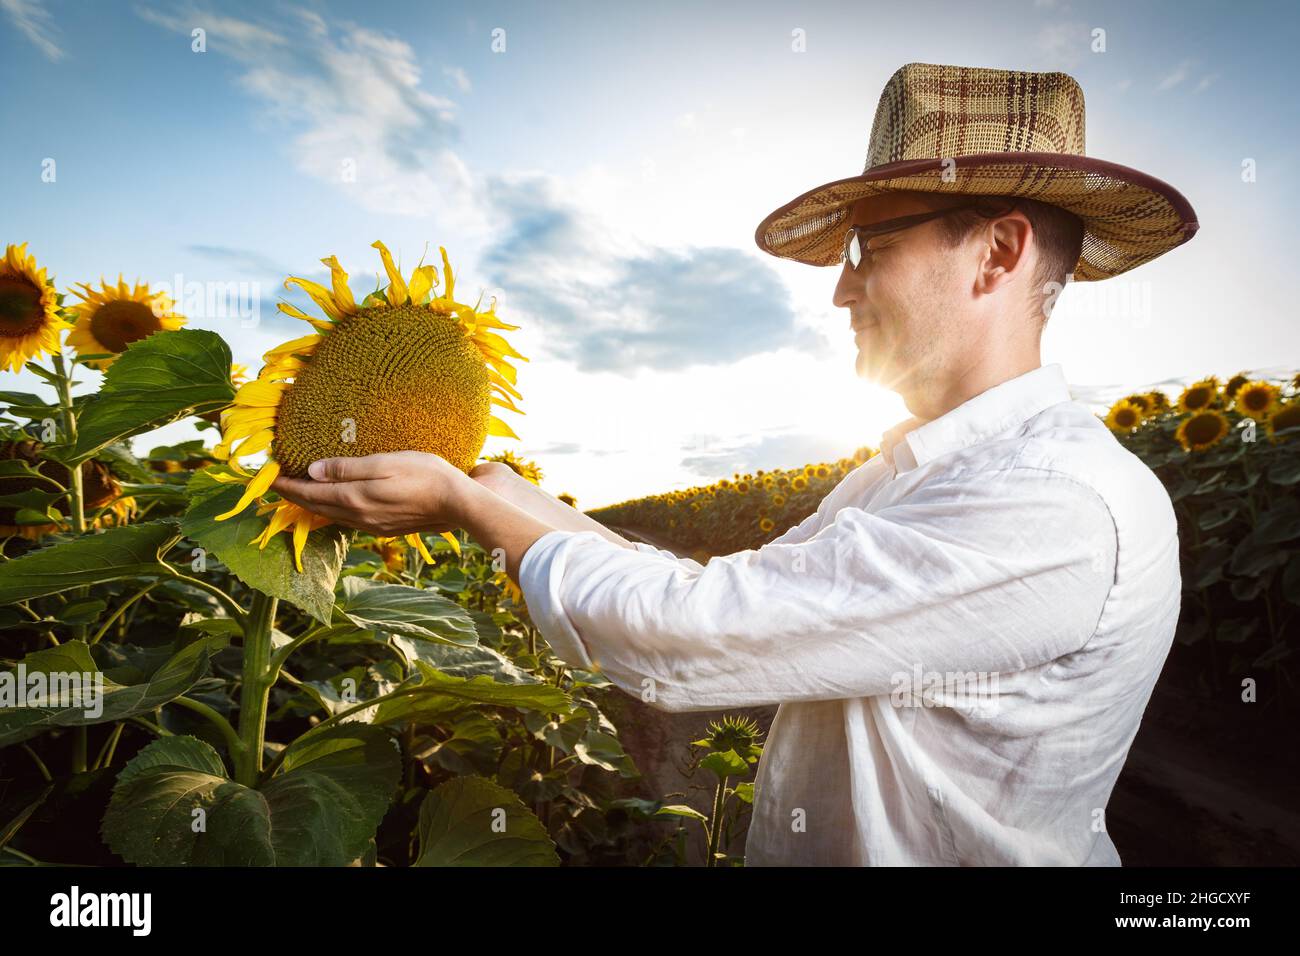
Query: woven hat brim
1129, 217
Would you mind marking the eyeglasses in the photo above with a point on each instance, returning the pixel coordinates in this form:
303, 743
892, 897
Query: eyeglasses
855, 240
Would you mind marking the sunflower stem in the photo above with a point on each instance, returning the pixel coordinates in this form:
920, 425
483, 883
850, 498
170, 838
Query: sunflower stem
255, 689
77, 514
75, 504
715, 823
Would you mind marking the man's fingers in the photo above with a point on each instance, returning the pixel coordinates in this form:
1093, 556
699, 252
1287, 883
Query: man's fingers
351, 469
315, 495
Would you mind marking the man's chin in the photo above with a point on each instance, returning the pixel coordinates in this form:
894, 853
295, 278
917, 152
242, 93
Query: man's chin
865, 368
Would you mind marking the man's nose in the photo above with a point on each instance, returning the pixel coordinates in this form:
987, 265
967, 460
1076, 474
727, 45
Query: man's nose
848, 289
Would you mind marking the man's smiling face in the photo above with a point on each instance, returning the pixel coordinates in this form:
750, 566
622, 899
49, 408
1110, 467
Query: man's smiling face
905, 299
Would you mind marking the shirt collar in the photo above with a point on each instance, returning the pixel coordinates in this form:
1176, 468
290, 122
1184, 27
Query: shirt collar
912, 442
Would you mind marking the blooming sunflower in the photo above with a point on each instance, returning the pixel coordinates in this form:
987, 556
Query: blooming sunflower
1199, 395
402, 370
1202, 430
1124, 416
30, 322
100, 491
1158, 400
521, 466
1288, 416
112, 317
1256, 400
391, 550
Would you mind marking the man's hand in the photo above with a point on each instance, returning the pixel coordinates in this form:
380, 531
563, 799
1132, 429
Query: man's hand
388, 494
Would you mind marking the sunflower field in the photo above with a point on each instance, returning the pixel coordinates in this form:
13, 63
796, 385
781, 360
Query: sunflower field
183, 684
731, 514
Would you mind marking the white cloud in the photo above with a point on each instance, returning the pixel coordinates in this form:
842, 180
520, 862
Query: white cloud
458, 76
1063, 44
1176, 77
355, 97
34, 22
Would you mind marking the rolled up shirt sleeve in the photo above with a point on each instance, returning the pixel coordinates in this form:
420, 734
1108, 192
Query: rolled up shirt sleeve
995, 574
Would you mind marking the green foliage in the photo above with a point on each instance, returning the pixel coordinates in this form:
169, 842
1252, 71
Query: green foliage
470, 821
270, 570
112, 555
369, 709
156, 381
173, 804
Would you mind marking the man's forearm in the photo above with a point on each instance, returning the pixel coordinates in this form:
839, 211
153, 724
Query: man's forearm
544, 506
495, 520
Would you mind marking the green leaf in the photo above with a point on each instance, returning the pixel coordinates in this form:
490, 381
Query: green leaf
271, 569
471, 821
439, 695
681, 810
1236, 631
126, 552
156, 381
745, 791
411, 612
1291, 580
605, 751
726, 763
321, 809
79, 694
1219, 515
1285, 472
1280, 523
457, 661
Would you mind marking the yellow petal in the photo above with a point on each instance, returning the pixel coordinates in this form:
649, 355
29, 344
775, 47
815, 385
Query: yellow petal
453, 541
305, 344
497, 427
422, 280
260, 441
319, 294
415, 541
449, 280
259, 393
339, 280
255, 489
497, 344
396, 287
301, 528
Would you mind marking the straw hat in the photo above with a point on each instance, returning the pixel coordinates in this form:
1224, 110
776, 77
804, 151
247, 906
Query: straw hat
967, 130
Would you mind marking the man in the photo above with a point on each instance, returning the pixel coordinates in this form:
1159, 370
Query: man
963, 638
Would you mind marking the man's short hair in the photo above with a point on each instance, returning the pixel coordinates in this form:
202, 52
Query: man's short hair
1057, 232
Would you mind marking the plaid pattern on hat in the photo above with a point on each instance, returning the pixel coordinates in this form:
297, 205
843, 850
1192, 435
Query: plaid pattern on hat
975, 131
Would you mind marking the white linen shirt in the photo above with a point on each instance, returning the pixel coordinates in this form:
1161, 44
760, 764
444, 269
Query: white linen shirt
962, 639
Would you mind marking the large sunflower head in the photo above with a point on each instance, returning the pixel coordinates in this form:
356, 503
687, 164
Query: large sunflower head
30, 322
1202, 430
110, 318
403, 369
1256, 400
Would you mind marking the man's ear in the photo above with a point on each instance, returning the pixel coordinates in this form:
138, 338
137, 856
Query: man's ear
1007, 239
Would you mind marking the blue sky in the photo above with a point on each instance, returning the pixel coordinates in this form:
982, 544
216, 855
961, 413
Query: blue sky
603, 176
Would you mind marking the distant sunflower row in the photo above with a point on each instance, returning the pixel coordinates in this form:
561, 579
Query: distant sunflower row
1203, 410
743, 511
